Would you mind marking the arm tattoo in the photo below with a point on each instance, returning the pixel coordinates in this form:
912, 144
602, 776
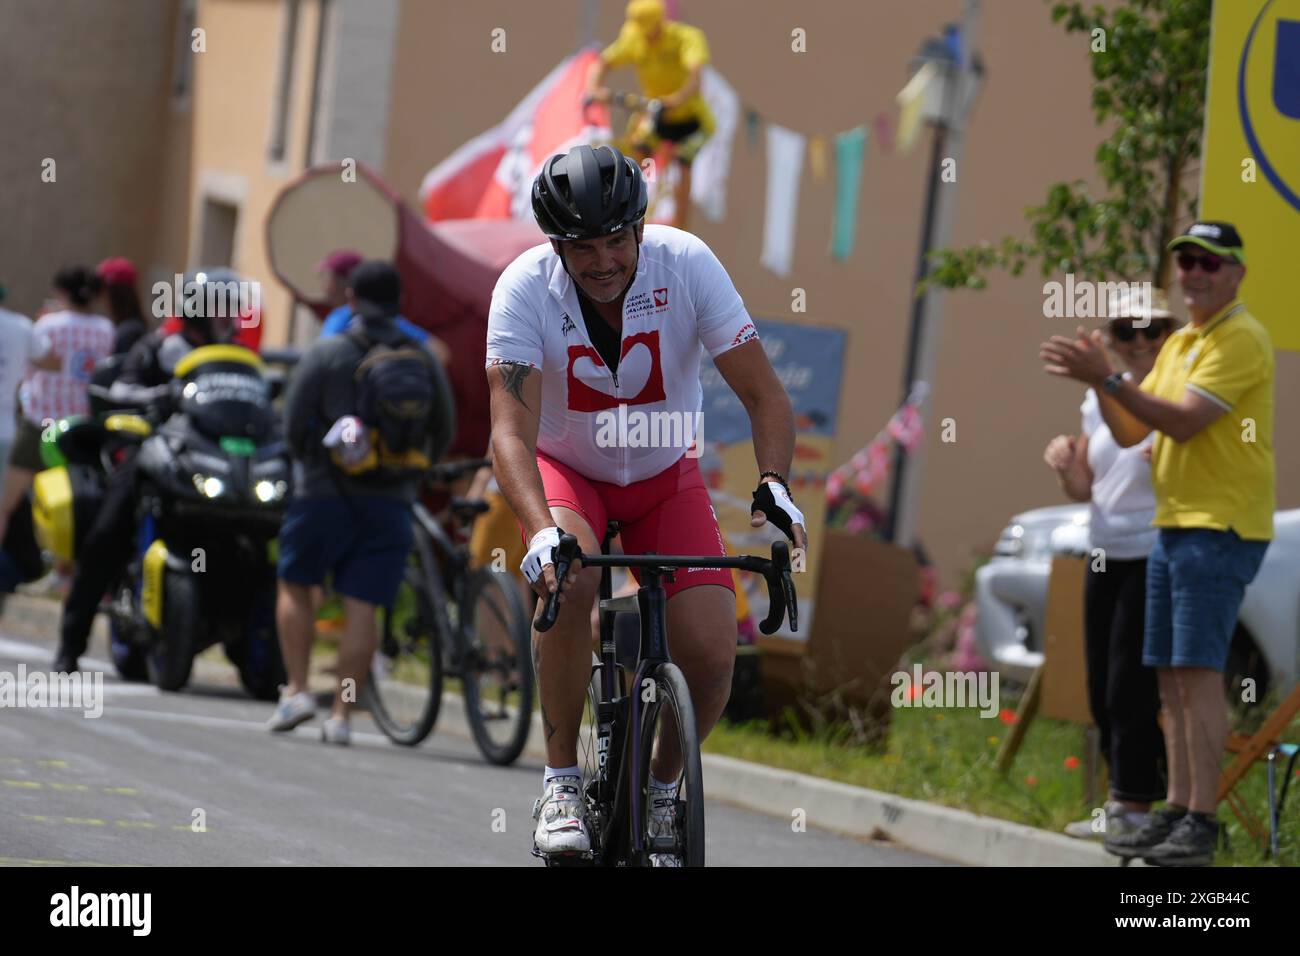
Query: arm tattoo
512, 376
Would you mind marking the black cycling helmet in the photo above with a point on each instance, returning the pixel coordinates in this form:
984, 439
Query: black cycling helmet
588, 193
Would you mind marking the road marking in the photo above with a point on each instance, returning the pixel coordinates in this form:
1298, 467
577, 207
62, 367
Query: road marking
24, 784
68, 786
125, 791
19, 861
53, 764
86, 821
204, 720
23, 651
139, 824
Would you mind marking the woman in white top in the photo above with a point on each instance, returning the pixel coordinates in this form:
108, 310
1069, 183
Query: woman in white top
69, 342
1116, 482
17, 347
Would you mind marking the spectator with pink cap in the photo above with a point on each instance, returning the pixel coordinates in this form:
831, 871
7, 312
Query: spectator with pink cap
336, 267
121, 302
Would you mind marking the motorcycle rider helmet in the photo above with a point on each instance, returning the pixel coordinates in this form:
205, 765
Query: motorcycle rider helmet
213, 302
588, 192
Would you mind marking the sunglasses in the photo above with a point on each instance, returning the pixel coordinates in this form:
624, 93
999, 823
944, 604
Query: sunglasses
1208, 263
1127, 332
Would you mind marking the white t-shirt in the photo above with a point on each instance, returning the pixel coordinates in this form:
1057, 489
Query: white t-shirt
18, 345
80, 340
611, 427
1123, 504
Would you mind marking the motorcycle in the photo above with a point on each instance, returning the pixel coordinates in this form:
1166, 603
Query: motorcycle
213, 478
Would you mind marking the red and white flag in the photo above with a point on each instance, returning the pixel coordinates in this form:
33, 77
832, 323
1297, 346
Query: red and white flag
490, 176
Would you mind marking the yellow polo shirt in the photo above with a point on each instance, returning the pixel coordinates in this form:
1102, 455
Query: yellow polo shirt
1223, 476
663, 67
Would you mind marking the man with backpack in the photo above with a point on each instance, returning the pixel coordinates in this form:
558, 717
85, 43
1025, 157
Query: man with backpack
366, 414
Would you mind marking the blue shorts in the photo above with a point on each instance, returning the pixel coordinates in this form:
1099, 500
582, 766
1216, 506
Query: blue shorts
363, 541
1196, 579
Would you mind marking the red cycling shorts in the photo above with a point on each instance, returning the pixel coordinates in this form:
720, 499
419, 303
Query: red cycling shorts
668, 513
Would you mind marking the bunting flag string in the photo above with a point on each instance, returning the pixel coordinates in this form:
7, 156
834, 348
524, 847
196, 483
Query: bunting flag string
867, 469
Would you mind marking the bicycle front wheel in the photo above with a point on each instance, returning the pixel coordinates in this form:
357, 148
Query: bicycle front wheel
405, 687
669, 823
497, 671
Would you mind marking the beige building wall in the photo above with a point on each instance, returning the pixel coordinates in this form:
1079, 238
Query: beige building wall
1032, 126
236, 97
90, 86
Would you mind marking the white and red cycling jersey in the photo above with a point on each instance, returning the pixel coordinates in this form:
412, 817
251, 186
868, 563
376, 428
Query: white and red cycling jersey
680, 303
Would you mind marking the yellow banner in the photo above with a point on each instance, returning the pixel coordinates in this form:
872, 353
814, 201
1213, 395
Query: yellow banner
1251, 171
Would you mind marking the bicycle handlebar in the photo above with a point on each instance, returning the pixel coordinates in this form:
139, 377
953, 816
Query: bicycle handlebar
781, 594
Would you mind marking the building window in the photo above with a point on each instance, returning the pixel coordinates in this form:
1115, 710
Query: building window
284, 81
217, 238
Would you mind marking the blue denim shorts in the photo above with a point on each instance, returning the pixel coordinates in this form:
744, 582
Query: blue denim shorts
1196, 579
363, 542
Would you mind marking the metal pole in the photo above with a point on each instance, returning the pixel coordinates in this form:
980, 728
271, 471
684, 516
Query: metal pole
949, 139
587, 24
917, 320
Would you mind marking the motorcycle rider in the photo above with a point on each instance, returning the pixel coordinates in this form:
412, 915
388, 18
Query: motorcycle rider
145, 382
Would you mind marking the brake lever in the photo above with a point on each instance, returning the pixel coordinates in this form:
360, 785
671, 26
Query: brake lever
776, 591
564, 556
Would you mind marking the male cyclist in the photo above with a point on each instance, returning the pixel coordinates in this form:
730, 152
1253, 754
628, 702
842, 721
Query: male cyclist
605, 324
668, 57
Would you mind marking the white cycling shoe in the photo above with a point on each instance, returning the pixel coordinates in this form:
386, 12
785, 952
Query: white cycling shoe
561, 819
661, 826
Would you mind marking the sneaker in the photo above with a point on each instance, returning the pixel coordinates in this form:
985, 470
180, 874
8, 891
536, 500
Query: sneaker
292, 711
1142, 840
54, 585
64, 664
1190, 843
336, 730
560, 815
1116, 821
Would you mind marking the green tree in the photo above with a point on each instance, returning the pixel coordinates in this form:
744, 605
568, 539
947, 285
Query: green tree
1149, 60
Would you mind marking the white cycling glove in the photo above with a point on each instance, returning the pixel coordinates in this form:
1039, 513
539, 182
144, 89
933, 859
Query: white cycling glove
541, 552
776, 504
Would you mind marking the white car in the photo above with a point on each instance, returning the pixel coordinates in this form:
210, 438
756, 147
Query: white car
1011, 597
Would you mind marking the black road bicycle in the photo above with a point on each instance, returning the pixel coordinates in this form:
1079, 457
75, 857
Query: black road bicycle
629, 718
454, 621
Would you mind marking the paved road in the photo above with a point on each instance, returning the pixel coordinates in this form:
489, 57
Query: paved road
127, 787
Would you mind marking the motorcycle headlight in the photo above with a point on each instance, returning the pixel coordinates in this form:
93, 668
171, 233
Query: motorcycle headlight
269, 491
208, 486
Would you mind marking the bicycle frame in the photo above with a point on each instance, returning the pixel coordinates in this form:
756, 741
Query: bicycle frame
652, 604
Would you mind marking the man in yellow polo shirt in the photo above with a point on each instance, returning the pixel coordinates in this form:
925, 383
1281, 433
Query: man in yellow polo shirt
1210, 401
668, 57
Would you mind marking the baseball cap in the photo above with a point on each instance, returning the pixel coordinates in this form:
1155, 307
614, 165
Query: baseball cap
117, 271
377, 288
1221, 238
340, 262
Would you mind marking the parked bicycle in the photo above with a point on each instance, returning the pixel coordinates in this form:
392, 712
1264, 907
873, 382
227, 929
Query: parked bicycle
452, 621
637, 708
